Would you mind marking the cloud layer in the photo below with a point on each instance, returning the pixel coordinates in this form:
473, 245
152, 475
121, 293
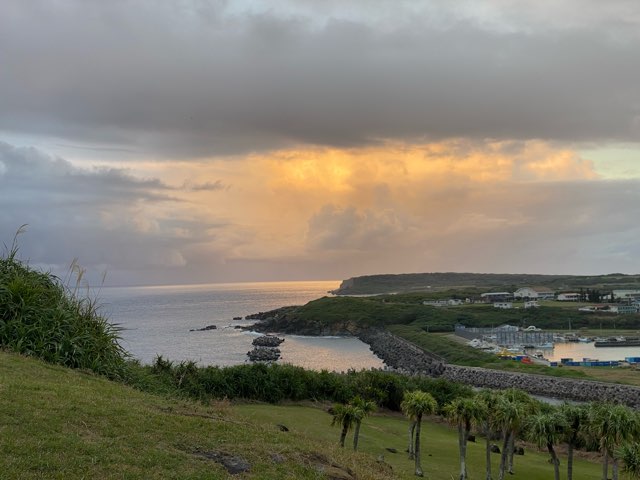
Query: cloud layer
325, 213
193, 141
197, 79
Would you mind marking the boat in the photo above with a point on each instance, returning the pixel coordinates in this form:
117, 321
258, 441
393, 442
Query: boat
546, 345
583, 340
619, 342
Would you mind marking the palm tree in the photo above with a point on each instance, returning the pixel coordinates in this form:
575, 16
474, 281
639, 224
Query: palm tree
362, 410
463, 412
630, 454
511, 409
575, 417
414, 405
487, 399
613, 425
546, 429
412, 431
344, 415
596, 429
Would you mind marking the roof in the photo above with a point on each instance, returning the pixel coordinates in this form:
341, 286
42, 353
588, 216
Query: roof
538, 289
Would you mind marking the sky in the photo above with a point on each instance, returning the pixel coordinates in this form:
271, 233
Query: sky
194, 141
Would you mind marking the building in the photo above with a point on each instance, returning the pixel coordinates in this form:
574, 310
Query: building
624, 309
568, 297
531, 304
452, 302
626, 294
503, 305
491, 297
534, 293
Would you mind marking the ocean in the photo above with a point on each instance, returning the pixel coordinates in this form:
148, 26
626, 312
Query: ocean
157, 320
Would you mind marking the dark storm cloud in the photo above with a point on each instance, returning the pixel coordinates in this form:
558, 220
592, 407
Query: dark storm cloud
193, 79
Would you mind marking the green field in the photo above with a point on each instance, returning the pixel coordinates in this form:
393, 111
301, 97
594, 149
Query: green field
440, 454
59, 423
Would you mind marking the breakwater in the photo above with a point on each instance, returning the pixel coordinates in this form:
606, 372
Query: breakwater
406, 357
402, 355
562, 388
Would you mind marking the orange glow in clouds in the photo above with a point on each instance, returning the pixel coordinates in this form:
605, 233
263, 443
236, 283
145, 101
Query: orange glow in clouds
271, 204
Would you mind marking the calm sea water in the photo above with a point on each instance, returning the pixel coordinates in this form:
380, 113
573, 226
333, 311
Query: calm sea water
158, 320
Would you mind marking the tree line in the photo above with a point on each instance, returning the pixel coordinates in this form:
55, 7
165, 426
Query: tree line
511, 415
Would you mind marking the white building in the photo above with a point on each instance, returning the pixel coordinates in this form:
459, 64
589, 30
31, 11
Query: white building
626, 294
531, 304
568, 297
503, 305
452, 302
623, 308
539, 293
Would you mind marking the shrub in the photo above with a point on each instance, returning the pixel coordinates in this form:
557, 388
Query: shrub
41, 317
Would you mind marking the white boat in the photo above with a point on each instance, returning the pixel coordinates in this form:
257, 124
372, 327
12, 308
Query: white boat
583, 340
546, 345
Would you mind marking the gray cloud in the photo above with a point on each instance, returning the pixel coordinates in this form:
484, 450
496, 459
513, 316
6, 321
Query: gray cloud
206, 186
561, 227
195, 79
106, 218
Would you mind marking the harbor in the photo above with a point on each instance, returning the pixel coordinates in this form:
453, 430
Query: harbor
553, 349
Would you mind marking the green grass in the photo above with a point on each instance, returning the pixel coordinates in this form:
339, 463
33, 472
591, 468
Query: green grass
58, 423
440, 454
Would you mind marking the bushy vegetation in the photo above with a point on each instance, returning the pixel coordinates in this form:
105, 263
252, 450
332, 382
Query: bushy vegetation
41, 317
275, 383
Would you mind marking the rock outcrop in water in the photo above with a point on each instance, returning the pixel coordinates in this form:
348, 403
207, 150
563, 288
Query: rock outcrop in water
264, 354
265, 349
203, 329
267, 341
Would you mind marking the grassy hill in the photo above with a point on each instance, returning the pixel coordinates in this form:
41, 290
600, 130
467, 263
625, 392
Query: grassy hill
58, 423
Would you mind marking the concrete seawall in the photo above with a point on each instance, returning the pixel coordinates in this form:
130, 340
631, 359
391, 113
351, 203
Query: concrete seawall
404, 356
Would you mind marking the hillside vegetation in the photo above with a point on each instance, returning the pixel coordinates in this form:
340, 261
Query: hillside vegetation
350, 314
424, 282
